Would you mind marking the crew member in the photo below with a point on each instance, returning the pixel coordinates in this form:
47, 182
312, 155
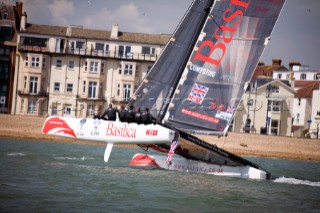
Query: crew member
122, 114
130, 114
147, 117
137, 116
111, 114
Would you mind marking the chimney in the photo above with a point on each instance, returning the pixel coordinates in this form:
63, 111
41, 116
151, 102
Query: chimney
18, 9
276, 62
261, 63
23, 23
114, 31
293, 63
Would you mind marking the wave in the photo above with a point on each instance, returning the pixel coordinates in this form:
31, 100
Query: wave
74, 158
295, 181
16, 154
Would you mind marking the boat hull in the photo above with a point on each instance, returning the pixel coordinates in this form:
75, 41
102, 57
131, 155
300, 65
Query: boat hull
186, 165
107, 131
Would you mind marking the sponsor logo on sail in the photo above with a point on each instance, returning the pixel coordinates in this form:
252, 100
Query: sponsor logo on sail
198, 93
223, 34
123, 131
200, 116
151, 132
202, 70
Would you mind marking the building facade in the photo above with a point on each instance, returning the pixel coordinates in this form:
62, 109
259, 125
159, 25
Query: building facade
72, 71
266, 108
10, 16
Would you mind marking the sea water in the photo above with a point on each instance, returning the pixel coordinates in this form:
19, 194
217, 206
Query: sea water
71, 177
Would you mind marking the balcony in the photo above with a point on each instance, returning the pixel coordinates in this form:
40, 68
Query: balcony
38, 94
89, 53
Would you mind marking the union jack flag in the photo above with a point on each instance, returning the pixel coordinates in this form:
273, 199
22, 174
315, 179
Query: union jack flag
173, 147
198, 93
230, 109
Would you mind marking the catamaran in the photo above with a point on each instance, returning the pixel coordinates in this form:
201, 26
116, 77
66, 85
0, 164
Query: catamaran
193, 88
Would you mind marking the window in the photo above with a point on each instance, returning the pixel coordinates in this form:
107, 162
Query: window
148, 50
54, 109
22, 106
58, 63
77, 45
126, 91
67, 110
94, 66
92, 89
275, 89
148, 69
44, 62
84, 87
90, 110
102, 68
33, 86
298, 118
120, 69
276, 106
69, 87
303, 76
5, 15
26, 62
35, 61
32, 106
6, 33
102, 47
274, 127
299, 101
118, 90
101, 89
279, 75
56, 87
85, 66
318, 113
25, 82
125, 51
71, 65
128, 69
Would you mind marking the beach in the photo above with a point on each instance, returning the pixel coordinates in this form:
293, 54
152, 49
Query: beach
243, 144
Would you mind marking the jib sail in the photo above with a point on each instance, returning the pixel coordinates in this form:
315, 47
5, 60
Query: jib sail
159, 84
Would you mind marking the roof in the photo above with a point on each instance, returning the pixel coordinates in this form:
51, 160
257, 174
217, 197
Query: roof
9, 22
267, 70
306, 92
305, 83
79, 32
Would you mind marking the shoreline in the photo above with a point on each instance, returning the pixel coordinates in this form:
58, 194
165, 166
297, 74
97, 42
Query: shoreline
243, 144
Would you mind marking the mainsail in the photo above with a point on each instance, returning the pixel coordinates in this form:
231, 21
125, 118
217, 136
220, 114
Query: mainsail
198, 81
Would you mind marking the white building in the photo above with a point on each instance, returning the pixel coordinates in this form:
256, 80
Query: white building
72, 71
268, 105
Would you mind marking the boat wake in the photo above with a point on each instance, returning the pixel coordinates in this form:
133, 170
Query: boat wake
295, 181
74, 158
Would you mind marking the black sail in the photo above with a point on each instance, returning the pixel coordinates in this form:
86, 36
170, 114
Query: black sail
158, 86
224, 58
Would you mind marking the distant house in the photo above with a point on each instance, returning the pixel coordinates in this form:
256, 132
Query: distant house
266, 108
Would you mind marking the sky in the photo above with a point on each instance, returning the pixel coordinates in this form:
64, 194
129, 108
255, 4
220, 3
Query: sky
296, 36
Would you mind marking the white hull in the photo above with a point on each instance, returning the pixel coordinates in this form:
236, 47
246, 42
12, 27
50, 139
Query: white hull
185, 165
107, 131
